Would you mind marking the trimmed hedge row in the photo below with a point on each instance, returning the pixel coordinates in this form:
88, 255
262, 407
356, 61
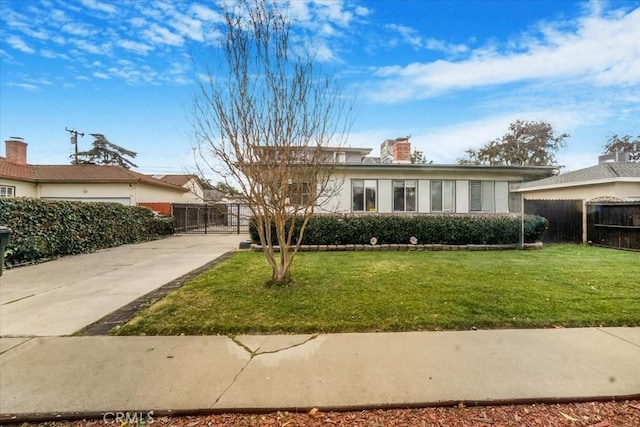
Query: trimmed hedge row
427, 229
43, 229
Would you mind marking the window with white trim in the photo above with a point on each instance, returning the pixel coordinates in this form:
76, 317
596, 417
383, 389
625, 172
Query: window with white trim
482, 196
443, 196
404, 196
7, 191
363, 195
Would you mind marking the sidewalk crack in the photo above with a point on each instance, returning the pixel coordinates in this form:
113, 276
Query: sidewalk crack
616, 336
235, 378
311, 338
252, 355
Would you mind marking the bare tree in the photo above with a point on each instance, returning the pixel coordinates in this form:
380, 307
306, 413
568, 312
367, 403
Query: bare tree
525, 144
271, 123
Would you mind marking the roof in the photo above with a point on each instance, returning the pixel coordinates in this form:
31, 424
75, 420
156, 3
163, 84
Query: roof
599, 174
78, 174
526, 172
178, 180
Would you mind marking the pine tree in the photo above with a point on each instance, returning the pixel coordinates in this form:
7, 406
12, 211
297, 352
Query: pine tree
106, 153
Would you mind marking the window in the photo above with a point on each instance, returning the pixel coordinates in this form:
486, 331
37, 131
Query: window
482, 196
363, 195
6, 191
299, 194
404, 196
443, 195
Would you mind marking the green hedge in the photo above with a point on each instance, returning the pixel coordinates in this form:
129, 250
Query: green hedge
44, 229
428, 229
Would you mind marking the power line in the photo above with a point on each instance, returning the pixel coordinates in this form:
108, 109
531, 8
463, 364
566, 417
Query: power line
74, 141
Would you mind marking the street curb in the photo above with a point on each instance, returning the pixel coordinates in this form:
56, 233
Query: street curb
93, 415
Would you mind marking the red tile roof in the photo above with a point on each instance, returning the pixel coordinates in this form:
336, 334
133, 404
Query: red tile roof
11, 170
79, 173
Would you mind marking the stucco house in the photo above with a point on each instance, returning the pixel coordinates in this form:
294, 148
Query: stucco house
81, 182
612, 180
619, 180
392, 184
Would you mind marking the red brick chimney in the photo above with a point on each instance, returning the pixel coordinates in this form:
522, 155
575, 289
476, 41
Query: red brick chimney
402, 151
16, 151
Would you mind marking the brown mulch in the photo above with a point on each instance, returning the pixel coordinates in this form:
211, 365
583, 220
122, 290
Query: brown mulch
595, 414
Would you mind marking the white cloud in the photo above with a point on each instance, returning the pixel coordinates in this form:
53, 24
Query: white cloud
189, 27
137, 47
207, 14
99, 75
25, 86
90, 47
53, 55
77, 29
600, 49
102, 7
161, 35
19, 44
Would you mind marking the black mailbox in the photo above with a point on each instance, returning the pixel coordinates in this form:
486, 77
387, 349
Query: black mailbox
5, 233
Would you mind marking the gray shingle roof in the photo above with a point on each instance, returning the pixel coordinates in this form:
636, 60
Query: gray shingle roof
601, 172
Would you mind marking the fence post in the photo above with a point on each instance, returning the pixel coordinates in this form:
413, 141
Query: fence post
238, 218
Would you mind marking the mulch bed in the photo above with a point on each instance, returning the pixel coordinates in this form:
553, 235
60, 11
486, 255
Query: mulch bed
595, 414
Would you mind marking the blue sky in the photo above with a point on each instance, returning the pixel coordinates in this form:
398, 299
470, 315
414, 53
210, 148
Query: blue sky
452, 74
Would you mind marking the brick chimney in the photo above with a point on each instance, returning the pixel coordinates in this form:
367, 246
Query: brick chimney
16, 150
402, 151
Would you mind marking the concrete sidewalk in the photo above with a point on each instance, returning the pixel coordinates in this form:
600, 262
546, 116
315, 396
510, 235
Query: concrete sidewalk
86, 376
62, 296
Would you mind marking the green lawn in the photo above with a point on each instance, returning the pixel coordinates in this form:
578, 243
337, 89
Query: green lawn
560, 285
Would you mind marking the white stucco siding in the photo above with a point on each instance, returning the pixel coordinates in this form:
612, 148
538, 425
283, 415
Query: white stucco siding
385, 175
22, 188
502, 196
424, 195
195, 194
462, 196
148, 193
620, 190
385, 196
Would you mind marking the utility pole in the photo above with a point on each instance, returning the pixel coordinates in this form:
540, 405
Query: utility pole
74, 141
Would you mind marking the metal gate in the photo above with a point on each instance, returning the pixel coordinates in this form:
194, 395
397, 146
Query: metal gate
223, 218
564, 216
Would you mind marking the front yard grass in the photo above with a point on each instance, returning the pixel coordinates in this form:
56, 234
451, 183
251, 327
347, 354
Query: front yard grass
558, 286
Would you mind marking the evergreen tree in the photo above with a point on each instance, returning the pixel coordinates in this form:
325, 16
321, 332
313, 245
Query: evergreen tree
104, 152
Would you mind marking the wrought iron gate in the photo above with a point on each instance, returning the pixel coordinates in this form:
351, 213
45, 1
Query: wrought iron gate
223, 218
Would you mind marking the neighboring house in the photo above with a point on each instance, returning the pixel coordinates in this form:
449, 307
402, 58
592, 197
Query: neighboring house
607, 181
80, 182
619, 180
391, 184
189, 182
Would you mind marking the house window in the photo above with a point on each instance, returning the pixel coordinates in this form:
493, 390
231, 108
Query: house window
443, 196
404, 196
299, 194
7, 191
482, 196
363, 195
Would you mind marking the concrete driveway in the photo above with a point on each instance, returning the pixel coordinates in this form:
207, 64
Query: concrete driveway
62, 296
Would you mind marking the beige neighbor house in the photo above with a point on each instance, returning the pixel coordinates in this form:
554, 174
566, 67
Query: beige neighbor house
613, 180
392, 184
91, 183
